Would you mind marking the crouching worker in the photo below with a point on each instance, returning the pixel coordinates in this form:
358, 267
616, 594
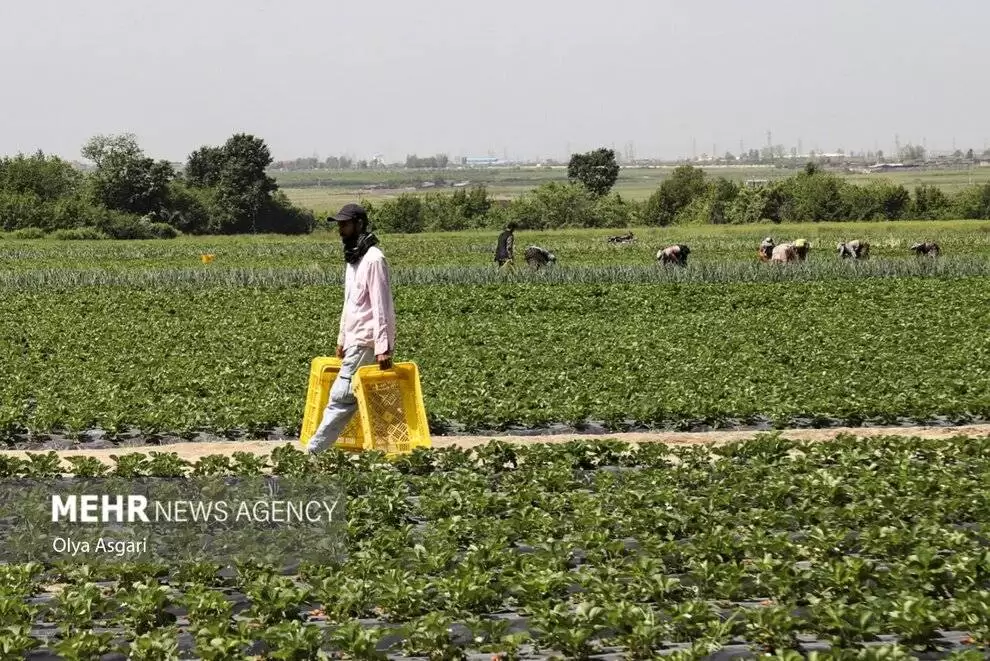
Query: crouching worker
538, 257
674, 255
367, 322
622, 238
766, 249
784, 253
802, 247
854, 249
926, 249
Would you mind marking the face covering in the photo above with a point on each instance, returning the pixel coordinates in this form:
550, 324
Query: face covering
357, 245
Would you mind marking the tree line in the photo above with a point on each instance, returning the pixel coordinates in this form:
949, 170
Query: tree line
688, 196
226, 190
127, 195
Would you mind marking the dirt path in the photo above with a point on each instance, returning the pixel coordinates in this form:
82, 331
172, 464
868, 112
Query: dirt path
193, 451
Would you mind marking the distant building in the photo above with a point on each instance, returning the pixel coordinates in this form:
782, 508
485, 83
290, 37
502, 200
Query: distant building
480, 160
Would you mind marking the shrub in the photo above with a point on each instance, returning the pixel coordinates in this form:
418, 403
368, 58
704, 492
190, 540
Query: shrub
278, 216
28, 233
189, 208
930, 203
19, 210
973, 202
79, 234
676, 193
443, 213
119, 225
403, 215
161, 230
554, 205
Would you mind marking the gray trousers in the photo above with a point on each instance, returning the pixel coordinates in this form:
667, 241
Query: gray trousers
342, 404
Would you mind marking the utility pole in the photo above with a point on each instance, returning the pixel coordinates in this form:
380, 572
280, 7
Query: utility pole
694, 149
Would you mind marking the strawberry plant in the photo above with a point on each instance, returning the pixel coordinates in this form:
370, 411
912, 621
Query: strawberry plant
641, 630
206, 606
914, 618
16, 641
87, 466
222, 641
844, 624
358, 642
771, 628
142, 607
76, 606
573, 632
41, 466
276, 598
155, 645
83, 645
293, 641
431, 636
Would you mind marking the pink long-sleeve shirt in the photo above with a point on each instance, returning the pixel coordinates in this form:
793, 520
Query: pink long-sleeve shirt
368, 318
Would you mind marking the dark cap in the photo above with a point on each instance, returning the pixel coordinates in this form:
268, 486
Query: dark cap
349, 212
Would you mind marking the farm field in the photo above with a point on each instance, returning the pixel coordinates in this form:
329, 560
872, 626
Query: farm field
138, 340
858, 548
326, 191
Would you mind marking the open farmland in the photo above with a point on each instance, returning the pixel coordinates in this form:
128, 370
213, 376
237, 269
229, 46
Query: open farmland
140, 340
861, 548
326, 191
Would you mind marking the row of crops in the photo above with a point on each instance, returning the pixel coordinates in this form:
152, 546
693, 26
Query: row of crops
709, 245
858, 549
234, 360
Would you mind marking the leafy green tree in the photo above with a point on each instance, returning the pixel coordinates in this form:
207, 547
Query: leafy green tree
472, 203
204, 166
404, 214
612, 211
553, 205
880, 200
814, 195
47, 177
674, 194
597, 170
973, 202
125, 179
443, 213
930, 203
244, 198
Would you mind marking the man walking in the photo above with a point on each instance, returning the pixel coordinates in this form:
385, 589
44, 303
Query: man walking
367, 323
503, 249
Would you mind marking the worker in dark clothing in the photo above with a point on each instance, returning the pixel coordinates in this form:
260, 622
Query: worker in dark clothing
506, 240
766, 249
538, 257
674, 255
926, 249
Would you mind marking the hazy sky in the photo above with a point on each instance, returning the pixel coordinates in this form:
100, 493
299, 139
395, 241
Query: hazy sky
527, 77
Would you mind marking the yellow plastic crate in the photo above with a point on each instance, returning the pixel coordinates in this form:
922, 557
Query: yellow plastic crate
393, 415
322, 373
